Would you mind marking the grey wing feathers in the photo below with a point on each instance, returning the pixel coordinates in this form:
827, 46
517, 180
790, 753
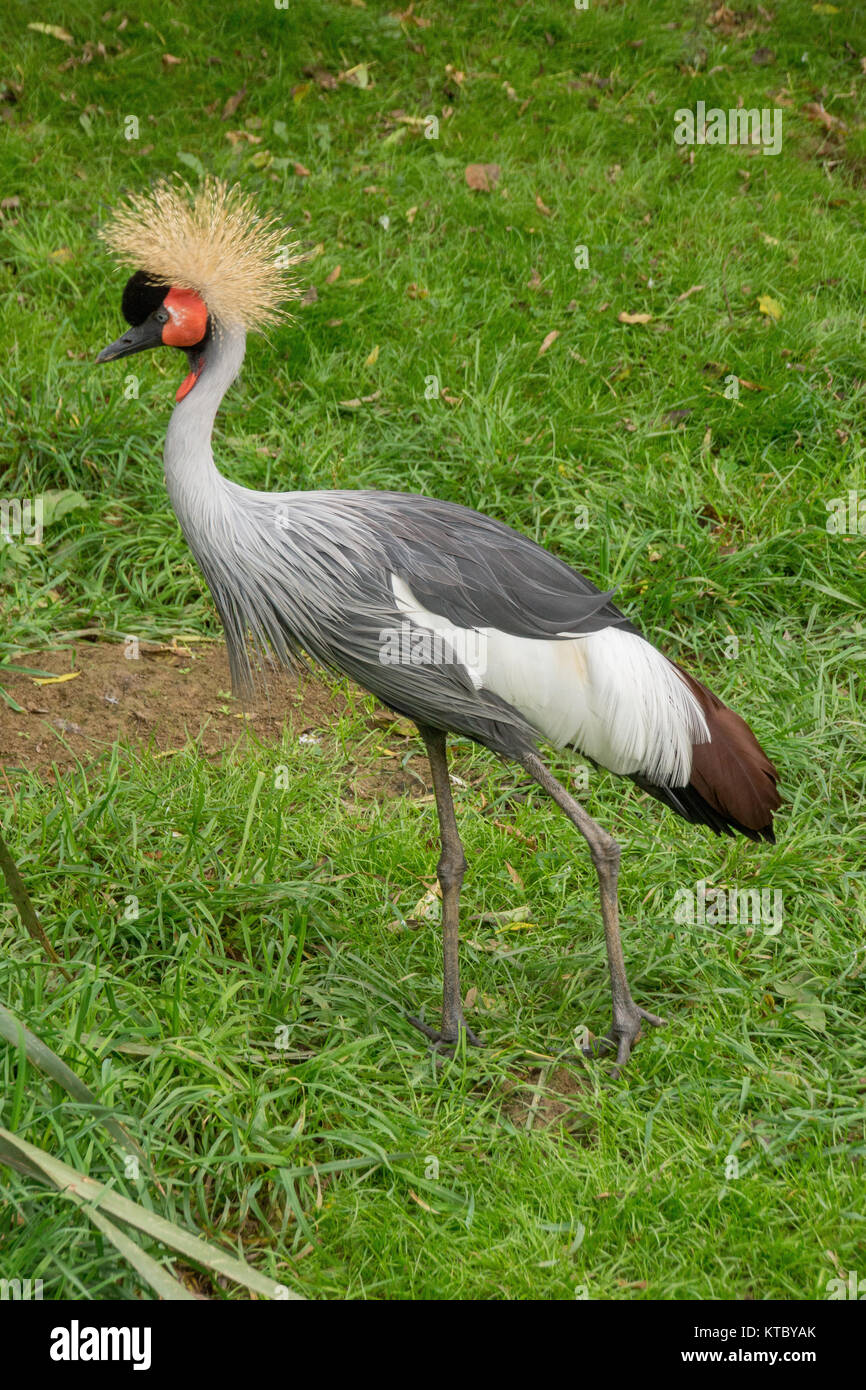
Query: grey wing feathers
478, 572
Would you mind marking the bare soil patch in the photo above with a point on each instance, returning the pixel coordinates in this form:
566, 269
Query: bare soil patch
161, 700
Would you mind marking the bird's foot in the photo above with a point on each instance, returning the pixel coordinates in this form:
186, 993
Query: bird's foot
623, 1034
446, 1038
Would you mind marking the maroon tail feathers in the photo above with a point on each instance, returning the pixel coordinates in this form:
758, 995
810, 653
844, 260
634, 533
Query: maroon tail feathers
733, 782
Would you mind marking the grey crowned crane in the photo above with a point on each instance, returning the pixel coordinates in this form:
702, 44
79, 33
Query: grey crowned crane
449, 617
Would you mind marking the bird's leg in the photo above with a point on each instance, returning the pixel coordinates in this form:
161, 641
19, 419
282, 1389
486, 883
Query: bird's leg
450, 871
627, 1015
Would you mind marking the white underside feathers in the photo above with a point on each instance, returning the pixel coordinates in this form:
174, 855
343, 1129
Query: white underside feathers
610, 694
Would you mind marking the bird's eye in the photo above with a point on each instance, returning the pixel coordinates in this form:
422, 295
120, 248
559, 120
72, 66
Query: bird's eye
161, 316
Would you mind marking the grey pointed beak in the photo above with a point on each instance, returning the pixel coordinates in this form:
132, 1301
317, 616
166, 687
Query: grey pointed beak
137, 339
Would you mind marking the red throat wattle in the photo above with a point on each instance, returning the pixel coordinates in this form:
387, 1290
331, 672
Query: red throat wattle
189, 381
186, 326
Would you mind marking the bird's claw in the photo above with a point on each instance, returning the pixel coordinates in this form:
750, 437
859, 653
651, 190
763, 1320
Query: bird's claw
623, 1034
445, 1041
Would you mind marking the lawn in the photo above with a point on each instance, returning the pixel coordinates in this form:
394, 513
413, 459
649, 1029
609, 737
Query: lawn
647, 355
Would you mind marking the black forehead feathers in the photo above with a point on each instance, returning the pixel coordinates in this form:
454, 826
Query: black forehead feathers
141, 296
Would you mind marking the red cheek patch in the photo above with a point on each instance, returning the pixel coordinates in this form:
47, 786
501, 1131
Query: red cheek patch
187, 322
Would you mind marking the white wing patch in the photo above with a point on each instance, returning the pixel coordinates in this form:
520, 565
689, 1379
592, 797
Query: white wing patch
610, 694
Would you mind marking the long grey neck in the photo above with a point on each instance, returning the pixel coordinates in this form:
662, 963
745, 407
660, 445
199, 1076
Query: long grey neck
191, 476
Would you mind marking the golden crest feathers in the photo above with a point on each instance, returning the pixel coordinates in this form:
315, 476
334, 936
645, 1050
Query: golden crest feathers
212, 241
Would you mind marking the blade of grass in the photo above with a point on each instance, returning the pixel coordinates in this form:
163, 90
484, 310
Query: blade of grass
78, 1187
41, 1055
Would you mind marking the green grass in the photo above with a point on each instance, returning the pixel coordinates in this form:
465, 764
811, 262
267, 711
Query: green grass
711, 525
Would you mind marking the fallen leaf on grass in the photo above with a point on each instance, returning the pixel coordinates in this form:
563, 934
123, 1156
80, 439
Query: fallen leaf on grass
169, 60
334, 275
771, 307
232, 104
542, 207
357, 401
373, 357
512, 830
514, 876
428, 907
482, 178
816, 112
322, 78
358, 76
549, 341
685, 294
633, 318
416, 1198
53, 30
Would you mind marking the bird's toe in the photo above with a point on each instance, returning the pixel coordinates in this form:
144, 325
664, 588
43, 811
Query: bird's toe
446, 1039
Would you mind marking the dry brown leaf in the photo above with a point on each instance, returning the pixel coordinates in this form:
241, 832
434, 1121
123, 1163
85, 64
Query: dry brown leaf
515, 876
373, 357
516, 834
416, 1198
816, 112
169, 60
334, 275
685, 294
301, 171
411, 214
471, 996
633, 318
482, 178
549, 341
322, 78
233, 103
542, 207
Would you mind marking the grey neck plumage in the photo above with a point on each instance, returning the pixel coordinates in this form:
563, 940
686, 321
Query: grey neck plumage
191, 476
